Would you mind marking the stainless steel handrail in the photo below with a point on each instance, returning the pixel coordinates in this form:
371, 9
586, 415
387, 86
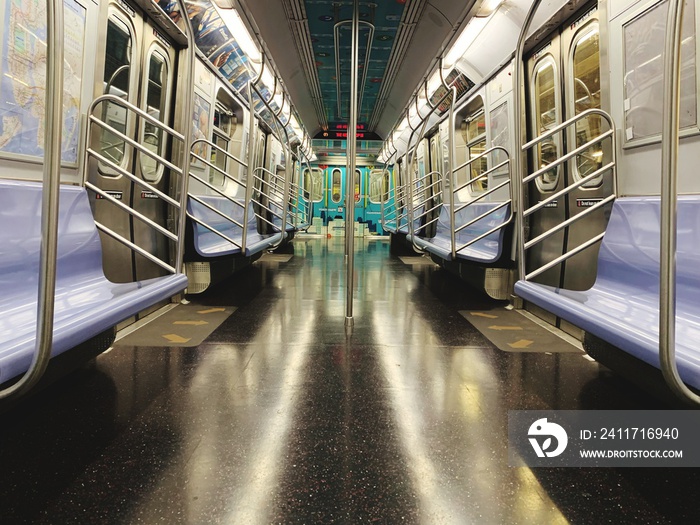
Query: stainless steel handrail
90, 152
351, 152
227, 176
186, 117
609, 168
669, 204
288, 154
53, 113
423, 122
518, 96
302, 177
482, 195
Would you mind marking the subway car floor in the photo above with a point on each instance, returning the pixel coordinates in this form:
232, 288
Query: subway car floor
280, 416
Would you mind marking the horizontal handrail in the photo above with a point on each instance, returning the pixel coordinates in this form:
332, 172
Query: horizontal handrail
482, 195
568, 156
568, 189
170, 235
168, 133
136, 145
217, 232
483, 216
608, 169
568, 123
565, 256
135, 109
483, 176
219, 148
134, 247
568, 222
133, 178
219, 191
220, 213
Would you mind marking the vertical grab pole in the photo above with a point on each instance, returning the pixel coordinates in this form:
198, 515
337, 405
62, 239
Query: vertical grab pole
669, 204
450, 159
518, 80
49, 205
350, 169
252, 163
187, 134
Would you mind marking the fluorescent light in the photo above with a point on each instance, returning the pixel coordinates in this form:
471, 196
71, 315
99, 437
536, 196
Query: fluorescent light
240, 33
465, 40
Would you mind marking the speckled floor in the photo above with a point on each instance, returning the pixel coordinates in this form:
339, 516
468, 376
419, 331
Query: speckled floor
281, 417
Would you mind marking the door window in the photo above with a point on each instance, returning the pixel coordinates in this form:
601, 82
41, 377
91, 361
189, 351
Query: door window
476, 145
156, 97
546, 118
317, 185
585, 94
117, 75
336, 183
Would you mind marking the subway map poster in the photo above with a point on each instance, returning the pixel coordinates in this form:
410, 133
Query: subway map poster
23, 80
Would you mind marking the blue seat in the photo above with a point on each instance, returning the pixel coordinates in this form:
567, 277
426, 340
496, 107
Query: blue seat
622, 307
86, 304
209, 244
487, 250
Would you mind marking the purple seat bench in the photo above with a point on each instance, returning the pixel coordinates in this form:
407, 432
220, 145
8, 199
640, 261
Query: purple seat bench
487, 250
208, 244
86, 303
622, 307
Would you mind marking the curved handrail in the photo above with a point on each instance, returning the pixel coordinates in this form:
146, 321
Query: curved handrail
451, 92
518, 95
49, 207
522, 213
669, 198
483, 176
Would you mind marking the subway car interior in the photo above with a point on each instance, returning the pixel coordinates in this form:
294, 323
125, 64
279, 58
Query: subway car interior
302, 261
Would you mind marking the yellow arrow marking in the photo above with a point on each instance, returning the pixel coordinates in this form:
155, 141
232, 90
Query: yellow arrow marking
195, 323
522, 343
496, 327
481, 314
211, 310
174, 338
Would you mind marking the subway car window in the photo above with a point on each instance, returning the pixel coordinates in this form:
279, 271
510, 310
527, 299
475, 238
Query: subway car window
376, 179
307, 183
117, 75
335, 193
500, 134
357, 185
224, 126
476, 145
156, 95
586, 95
546, 113
643, 72
317, 185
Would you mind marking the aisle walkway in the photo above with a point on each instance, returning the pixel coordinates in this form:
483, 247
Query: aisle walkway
281, 417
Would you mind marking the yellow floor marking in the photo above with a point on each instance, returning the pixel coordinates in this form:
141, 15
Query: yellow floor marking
522, 343
211, 310
496, 327
481, 314
174, 338
195, 323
